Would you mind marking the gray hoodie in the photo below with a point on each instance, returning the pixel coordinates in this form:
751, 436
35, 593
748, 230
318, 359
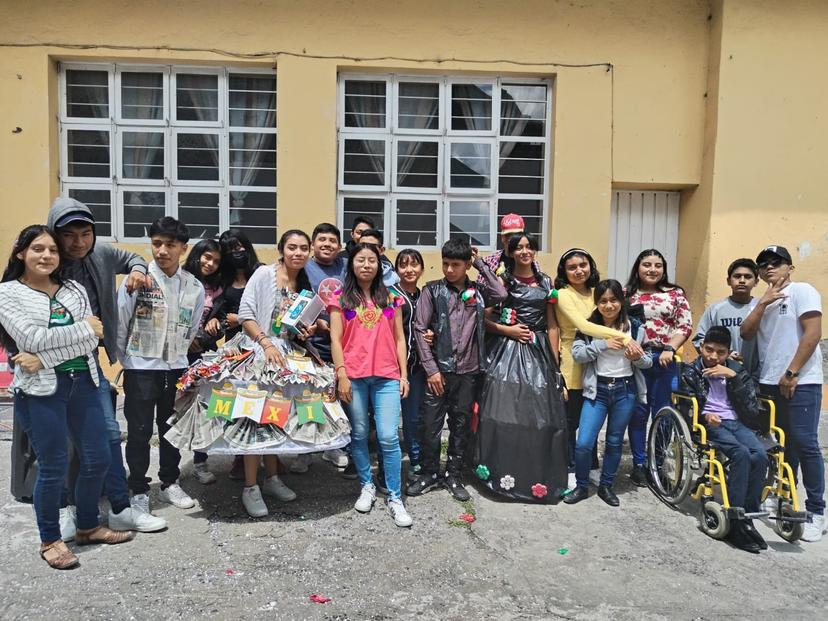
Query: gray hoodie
103, 262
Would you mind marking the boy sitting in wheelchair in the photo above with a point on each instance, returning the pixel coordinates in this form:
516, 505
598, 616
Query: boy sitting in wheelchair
727, 400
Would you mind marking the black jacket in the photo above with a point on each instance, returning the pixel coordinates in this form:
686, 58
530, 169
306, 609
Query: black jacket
741, 391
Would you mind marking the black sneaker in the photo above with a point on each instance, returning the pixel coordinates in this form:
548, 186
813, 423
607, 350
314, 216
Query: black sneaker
454, 484
422, 485
606, 494
639, 476
739, 537
350, 470
751, 532
576, 495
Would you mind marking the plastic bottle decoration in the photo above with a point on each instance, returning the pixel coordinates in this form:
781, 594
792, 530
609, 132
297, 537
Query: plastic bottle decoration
468, 296
508, 316
507, 482
482, 472
539, 490
552, 296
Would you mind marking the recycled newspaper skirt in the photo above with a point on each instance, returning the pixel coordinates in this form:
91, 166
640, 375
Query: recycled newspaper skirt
232, 402
520, 442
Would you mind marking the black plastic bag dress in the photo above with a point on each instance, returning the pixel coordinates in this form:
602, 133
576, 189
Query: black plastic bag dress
521, 440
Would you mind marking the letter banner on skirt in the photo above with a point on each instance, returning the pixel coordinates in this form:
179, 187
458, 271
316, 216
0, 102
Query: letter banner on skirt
310, 410
221, 404
276, 411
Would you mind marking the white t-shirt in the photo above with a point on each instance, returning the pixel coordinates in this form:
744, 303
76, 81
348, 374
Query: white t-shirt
612, 363
780, 333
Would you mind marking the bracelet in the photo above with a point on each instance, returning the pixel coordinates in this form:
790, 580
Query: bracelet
404, 379
268, 346
336, 370
259, 337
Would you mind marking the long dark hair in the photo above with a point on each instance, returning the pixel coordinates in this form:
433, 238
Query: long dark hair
617, 290
228, 240
16, 267
193, 262
351, 293
302, 280
511, 246
634, 282
562, 281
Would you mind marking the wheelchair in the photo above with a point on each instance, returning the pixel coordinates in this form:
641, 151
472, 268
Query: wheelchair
677, 449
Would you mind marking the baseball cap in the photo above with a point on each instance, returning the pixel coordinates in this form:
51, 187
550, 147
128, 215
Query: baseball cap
511, 223
774, 251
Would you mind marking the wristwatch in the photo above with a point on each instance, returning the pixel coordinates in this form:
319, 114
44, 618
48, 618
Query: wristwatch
791, 374
670, 348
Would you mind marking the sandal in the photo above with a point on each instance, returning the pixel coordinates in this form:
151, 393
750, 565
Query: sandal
101, 534
58, 555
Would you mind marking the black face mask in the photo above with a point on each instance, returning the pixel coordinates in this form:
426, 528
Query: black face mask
238, 259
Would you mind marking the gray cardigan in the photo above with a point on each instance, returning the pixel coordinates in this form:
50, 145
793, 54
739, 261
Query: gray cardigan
586, 350
104, 262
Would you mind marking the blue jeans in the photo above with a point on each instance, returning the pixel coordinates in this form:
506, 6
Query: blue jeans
659, 390
615, 404
411, 414
382, 396
115, 484
75, 411
748, 462
799, 418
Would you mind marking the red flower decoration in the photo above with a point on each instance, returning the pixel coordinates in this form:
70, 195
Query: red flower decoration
467, 517
319, 599
539, 490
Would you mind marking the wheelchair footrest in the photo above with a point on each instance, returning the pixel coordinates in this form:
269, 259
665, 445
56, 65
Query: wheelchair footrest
735, 513
755, 515
796, 517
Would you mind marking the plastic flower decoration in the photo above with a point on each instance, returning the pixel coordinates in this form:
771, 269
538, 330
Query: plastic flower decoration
507, 482
468, 296
552, 296
468, 518
483, 472
539, 490
508, 316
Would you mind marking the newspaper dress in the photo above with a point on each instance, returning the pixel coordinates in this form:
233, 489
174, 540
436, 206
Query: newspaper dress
232, 401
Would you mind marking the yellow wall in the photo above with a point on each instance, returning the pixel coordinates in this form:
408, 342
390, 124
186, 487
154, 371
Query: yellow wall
749, 156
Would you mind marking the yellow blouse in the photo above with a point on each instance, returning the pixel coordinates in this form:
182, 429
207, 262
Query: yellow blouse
572, 311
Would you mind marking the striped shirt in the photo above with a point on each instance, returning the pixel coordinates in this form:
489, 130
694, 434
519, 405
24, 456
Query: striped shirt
25, 313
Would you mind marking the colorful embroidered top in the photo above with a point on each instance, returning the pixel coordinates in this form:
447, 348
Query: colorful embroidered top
368, 339
667, 313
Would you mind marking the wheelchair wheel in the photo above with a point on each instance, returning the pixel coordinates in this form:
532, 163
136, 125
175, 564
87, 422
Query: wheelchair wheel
669, 448
789, 531
714, 520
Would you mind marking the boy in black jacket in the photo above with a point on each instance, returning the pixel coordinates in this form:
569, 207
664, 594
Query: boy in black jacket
727, 400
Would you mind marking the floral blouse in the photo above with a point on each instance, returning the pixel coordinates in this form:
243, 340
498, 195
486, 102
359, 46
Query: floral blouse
666, 314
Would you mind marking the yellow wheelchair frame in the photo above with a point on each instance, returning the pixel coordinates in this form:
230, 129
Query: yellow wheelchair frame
679, 445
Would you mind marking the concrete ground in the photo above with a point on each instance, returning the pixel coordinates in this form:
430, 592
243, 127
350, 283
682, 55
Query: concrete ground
644, 560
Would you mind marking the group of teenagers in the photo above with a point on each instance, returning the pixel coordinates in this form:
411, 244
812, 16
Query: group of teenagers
525, 369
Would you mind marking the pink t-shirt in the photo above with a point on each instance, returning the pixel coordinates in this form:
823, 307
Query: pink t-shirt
368, 340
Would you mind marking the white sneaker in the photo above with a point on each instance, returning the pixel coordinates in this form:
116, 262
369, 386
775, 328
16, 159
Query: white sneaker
814, 529
301, 463
134, 518
367, 498
595, 477
337, 457
397, 510
253, 502
140, 502
68, 523
176, 497
274, 486
202, 474
571, 482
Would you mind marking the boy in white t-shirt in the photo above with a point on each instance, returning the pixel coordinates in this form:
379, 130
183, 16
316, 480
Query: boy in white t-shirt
787, 323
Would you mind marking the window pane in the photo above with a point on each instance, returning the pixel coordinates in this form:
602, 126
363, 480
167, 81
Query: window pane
353, 206
364, 103
88, 153
100, 204
416, 222
521, 168
200, 212
198, 157
364, 162
252, 100
522, 110
471, 165
471, 107
531, 210
196, 97
253, 159
419, 105
417, 164
255, 214
470, 220
87, 94
141, 209
142, 95
143, 155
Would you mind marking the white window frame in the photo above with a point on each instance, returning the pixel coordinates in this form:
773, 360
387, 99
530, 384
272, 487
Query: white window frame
389, 105
474, 199
440, 220
369, 137
441, 106
115, 184
485, 192
394, 156
495, 84
340, 212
